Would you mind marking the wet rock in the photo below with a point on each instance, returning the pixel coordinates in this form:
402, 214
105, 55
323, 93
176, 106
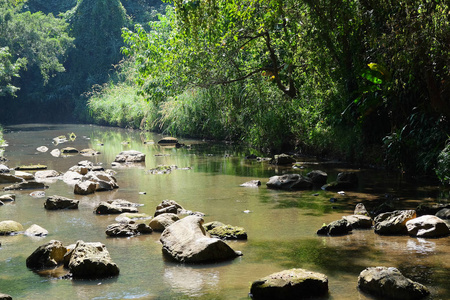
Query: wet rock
427, 226
163, 221
47, 175
4, 169
393, 223
49, 255
37, 194
24, 175
8, 198
10, 227
42, 149
251, 183
344, 181
91, 261
69, 150
58, 202
26, 186
127, 217
339, 227
282, 159
289, 182
211, 225
187, 241
55, 152
318, 178
172, 209
443, 213
73, 177
228, 232
389, 283
116, 207
36, 230
85, 187
290, 284
131, 156
127, 229
104, 181
31, 167
359, 221
9, 178
168, 141
360, 209
168, 203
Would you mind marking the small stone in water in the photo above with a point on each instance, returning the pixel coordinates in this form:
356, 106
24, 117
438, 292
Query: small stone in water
142, 193
37, 194
247, 211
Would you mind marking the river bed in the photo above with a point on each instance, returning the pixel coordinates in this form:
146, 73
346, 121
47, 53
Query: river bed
281, 225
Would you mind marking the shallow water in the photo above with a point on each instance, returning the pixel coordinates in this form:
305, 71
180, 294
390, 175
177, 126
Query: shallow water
281, 225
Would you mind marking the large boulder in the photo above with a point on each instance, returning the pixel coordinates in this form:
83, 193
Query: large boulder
59, 202
427, 226
318, 177
8, 178
91, 261
290, 182
117, 206
162, 221
10, 227
127, 229
290, 284
131, 156
339, 227
49, 255
187, 241
389, 283
393, 223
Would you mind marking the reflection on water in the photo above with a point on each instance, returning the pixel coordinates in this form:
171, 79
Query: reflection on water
281, 225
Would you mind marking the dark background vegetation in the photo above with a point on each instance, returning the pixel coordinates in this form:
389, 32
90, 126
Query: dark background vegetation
364, 81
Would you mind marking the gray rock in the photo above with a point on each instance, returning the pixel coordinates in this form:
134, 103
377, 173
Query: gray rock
427, 226
5, 297
8, 198
282, 159
49, 255
251, 183
127, 229
26, 186
73, 177
172, 209
117, 206
162, 221
289, 182
36, 230
393, 223
85, 187
130, 156
443, 214
389, 283
104, 181
9, 178
4, 169
290, 284
187, 241
47, 175
91, 261
10, 227
318, 178
339, 227
360, 209
127, 217
24, 175
89, 152
58, 202
211, 225
42, 149
359, 221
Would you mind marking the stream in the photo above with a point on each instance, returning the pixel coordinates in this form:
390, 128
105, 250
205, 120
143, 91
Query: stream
281, 225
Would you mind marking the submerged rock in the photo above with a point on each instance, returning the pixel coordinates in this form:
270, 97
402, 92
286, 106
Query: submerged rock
252, 183
26, 186
187, 241
290, 284
344, 181
8, 178
427, 226
290, 182
228, 232
91, 261
389, 283
127, 229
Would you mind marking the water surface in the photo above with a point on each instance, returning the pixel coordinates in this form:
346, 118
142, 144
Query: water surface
281, 225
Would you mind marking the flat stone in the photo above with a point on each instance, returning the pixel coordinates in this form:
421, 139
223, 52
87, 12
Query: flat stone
427, 226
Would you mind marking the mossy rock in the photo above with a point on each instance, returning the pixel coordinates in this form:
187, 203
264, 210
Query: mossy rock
168, 141
31, 167
228, 232
9, 227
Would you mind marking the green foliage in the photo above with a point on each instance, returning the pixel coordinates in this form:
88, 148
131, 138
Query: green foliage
443, 164
8, 70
